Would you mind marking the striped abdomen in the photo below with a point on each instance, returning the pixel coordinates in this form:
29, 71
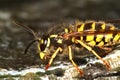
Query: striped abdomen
98, 33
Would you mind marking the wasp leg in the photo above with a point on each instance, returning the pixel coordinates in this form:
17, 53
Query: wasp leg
53, 56
106, 49
90, 49
70, 58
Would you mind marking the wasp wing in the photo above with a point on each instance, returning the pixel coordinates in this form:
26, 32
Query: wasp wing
89, 32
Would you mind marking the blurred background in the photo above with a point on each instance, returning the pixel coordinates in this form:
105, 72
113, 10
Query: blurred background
40, 15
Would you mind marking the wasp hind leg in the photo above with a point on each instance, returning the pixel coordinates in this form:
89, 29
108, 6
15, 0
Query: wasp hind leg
90, 49
106, 50
52, 57
70, 58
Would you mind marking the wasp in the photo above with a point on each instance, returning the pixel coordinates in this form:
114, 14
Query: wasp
88, 34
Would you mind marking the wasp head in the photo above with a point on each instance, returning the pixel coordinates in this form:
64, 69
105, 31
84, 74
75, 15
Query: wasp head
43, 45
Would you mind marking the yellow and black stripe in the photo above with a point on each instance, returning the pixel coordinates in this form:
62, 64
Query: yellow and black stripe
101, 38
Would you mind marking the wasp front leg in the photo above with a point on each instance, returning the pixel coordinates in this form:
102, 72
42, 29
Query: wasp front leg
52, 57
90, 49
71, 59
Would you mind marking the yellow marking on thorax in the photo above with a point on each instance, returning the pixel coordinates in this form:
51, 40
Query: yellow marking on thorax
66, 30
99, 37
90, 38
117, 36
92, 43
108, 37
54, 35
81, 27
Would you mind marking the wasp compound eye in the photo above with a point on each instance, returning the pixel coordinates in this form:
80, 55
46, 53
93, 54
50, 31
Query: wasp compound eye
43, 44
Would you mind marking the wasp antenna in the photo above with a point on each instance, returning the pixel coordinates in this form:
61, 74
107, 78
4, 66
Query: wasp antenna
29, 45
113, 21
25, 27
